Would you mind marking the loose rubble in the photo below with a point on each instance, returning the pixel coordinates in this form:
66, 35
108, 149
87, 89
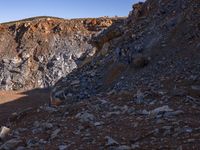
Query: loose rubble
139, 91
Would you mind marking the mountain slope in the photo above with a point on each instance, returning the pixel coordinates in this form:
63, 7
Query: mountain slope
154, 36
141, 89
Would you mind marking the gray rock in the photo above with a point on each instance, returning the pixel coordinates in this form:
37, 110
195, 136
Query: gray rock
4, 132
113, 113
47, 126
162, 109
50, 109
63, 147
139, 97
196, 87
174, 113
42, 141
11, 144
36, 124
135, 146
179, 92
55, 133
123, 147
32, 142
21, 148
85, 117
75, 82
143, 112
98, 123
111, 141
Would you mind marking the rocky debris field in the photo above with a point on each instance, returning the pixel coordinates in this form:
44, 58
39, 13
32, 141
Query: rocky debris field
142, 119
140, 90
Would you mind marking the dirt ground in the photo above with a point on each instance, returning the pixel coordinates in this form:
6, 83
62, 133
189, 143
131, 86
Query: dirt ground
12, 101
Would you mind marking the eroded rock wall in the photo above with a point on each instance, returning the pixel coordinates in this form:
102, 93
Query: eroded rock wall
37, 52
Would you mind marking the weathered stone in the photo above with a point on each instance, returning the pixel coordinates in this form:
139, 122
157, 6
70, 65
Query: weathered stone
63, 147
47, 126
55, 133
4, 132
11, 144
111, 141
162, 109
20, 148
123, 147
85, 117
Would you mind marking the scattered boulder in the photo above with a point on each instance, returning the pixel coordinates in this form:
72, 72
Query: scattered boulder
4, 132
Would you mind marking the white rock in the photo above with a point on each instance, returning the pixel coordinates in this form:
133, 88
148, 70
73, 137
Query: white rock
4, 132
16, 60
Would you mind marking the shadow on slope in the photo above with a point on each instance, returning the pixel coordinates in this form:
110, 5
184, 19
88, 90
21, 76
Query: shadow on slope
11, 102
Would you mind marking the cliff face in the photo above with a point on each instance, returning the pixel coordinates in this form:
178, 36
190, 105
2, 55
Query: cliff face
37, 52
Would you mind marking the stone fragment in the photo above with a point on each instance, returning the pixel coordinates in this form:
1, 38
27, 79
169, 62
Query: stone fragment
111, 141
11, 144
123, 147
4, 132
55, 133
63, 147
21, 148
85, 117
162, 109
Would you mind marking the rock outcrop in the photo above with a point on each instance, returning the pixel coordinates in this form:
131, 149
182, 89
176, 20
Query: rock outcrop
37, 52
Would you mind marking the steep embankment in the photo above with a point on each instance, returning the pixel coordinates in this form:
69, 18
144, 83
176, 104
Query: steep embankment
36, 52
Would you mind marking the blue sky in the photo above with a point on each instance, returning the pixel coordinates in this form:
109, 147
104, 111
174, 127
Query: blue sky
19, 9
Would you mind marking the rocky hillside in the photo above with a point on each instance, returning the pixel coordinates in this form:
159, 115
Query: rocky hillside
141, 89
158, 41
36, 52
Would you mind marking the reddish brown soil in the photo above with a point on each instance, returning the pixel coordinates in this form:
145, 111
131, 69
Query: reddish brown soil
11, 101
